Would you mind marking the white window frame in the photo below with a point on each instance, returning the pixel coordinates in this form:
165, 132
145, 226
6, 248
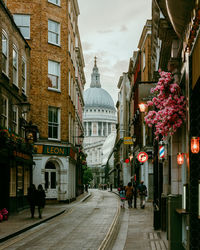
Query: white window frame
15, 67
55, 2
69, 82
144, 59
52, 75
24, 76
13, 182
15, 119
5, 55
55, 124
69, 126
24, 25
4, 115
69, 42
69, 8
57, 33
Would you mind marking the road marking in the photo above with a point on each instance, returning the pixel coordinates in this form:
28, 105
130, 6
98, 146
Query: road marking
111, 229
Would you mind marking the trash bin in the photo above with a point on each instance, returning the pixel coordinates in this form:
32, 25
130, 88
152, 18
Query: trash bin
156, 218
174, 223
163, 212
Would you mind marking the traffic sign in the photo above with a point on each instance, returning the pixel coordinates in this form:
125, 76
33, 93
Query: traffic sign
142, 157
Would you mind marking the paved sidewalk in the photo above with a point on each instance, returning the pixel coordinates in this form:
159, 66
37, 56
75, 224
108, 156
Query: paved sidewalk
136, 230
22, 221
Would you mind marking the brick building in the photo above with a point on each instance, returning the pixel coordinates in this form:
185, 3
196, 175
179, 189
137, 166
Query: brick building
50, 28
15, 152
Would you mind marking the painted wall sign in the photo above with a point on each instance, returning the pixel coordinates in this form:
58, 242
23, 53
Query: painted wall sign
53, 150
56, 150
21, 155
142, 157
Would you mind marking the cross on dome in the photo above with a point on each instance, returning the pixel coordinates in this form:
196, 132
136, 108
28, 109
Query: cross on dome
95, 61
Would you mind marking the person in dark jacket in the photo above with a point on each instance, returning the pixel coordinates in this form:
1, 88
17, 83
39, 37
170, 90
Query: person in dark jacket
40, 199
135, 194
32, 198
142, 189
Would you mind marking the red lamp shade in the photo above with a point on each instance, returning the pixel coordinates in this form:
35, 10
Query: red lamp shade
180, 158
195, 145
127, 160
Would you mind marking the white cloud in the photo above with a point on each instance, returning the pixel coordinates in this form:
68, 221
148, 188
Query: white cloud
110, 30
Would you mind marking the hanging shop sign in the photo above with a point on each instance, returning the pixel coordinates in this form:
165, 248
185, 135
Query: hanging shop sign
142, 157
128, 140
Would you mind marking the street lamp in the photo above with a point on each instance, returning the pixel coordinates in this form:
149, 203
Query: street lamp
142, 107
180, 158
81, 137
195, 145
25, 106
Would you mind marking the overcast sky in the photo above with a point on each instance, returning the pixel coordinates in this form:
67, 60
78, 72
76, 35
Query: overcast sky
110, 30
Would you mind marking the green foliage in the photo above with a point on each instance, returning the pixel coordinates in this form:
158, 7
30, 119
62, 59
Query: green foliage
87, 175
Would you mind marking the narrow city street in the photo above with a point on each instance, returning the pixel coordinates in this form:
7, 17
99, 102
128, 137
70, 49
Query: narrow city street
84, 225
94, 222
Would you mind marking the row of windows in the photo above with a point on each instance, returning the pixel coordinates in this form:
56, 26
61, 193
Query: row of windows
98, 129
102, 110
23, 22
14, 116
15, 62
53, 119
53, 69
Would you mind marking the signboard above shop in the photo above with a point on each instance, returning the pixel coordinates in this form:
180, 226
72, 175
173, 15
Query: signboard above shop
128, 140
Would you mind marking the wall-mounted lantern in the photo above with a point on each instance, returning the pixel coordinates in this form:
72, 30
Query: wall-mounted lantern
180, 158
24, 106
142, 107
195, 145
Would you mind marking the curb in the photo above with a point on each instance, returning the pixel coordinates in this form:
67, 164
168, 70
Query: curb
38, 223
29, 227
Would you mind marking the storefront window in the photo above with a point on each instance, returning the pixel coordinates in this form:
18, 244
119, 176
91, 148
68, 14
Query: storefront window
13, 182
19, 179
26, 180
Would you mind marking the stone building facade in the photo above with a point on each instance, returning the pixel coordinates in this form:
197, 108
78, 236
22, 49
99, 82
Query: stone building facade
15, 153
99, 121
50, 28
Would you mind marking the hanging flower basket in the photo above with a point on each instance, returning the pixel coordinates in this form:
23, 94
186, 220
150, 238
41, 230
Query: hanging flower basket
168, 107
13, 141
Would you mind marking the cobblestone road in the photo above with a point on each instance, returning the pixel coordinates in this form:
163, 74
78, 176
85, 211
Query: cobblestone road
83, 226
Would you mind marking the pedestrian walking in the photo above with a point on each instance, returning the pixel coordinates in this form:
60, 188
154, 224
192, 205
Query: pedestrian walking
86, 188
142, 189
122, 195
32, 198
40, 199
129, 194
135, 194
111, 187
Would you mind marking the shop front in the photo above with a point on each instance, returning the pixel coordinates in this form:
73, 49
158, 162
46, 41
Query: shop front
55, 169
15, 178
